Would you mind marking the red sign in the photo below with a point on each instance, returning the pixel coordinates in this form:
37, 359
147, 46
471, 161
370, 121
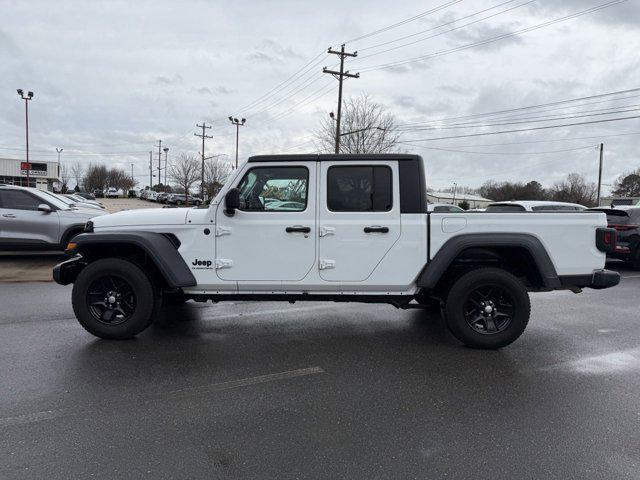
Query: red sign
25, 166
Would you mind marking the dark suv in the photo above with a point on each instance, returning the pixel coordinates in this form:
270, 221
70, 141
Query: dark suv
626, 221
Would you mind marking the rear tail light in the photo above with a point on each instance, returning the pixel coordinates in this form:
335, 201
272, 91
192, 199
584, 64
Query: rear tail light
606, 239
622, 228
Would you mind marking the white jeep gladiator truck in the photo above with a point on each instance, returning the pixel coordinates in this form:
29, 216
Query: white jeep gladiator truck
340, 228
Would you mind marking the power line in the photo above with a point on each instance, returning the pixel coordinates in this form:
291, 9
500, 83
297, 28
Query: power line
451, 29
522, 121
493, 39
404, 22
558, 102
526, 129
447, 149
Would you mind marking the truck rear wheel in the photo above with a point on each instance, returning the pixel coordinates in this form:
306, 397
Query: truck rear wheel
487, 308
114, 299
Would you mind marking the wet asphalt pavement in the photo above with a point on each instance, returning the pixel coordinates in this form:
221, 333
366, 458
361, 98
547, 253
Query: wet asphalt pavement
320, 391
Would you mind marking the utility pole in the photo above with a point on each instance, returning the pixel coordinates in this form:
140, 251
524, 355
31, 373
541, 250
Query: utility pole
340, 77
132, 178
166, 153
59, 150
238, 124
455, 188
204, 136
159, 162
600, 173
150, 169
26, 121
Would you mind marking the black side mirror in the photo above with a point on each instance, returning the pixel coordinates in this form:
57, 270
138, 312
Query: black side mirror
232, 201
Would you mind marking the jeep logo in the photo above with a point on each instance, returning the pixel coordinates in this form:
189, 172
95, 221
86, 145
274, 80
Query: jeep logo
202, 263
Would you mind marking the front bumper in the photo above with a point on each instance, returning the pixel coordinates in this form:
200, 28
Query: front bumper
598, 280
66, 272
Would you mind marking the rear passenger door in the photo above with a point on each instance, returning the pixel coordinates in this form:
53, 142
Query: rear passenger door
359, 217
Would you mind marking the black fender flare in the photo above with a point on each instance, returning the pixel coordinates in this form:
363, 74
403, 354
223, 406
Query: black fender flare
160, 249
64, 238
435, 269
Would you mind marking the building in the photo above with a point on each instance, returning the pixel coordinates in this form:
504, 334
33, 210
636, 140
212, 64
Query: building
447, 197
41, 174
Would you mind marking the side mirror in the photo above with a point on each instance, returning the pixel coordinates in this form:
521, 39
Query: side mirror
43, 207
232, 201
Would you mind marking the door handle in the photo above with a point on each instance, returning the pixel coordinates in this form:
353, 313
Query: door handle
376, 229
298, 228
9, 215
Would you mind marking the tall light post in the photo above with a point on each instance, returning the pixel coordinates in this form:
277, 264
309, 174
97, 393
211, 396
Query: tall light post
26, 120
166, 153
59, 150
455, 188
238, 124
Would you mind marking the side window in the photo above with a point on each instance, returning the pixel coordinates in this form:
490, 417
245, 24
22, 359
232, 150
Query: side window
17, 200
359, 189
274, 189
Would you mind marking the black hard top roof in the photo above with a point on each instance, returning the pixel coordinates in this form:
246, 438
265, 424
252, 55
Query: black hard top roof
312, 157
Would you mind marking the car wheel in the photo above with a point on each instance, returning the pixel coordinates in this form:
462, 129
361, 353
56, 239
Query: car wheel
179, 202
114, 299
487, 308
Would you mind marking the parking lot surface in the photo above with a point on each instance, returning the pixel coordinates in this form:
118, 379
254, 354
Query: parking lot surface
313, 390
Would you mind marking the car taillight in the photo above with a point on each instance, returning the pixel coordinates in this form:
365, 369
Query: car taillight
606, 239
622, 228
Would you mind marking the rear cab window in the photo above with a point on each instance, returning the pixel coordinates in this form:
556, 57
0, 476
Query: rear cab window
366, 188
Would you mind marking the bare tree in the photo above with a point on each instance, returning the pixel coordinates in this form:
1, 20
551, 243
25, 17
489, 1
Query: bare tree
185, 172
216, 173
77, 170
575, 189
366, 127
65, 176
95, 177
628, 185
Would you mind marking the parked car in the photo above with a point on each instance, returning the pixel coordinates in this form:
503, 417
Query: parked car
132, 194
32, 219
83, 201
97, 193
364, 236
151, 195
533, 206
88, 196
443, 208
112, 192
626, 221
181, 199
162, 197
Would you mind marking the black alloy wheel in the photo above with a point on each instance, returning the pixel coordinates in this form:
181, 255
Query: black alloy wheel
111, 300
489, 309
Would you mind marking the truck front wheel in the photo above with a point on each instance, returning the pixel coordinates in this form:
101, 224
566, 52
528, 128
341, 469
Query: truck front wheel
487, 308
114, 299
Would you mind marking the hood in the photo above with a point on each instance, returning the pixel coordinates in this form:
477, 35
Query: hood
145, 216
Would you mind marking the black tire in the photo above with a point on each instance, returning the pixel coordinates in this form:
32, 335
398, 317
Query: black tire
487, 308
132, 312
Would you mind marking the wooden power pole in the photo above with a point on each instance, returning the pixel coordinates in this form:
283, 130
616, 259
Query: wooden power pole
340, 75
202, 135
600, 174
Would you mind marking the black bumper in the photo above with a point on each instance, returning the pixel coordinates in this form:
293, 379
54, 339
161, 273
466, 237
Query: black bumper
66, 272
598, 280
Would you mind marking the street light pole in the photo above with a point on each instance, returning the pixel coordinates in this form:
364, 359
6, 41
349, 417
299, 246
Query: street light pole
59, 150
166, 153
26, 119
238, 124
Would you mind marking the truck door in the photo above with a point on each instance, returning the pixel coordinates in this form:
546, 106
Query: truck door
272, 237
359, 217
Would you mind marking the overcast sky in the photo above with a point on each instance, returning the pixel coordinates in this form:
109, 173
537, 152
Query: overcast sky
114, 77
